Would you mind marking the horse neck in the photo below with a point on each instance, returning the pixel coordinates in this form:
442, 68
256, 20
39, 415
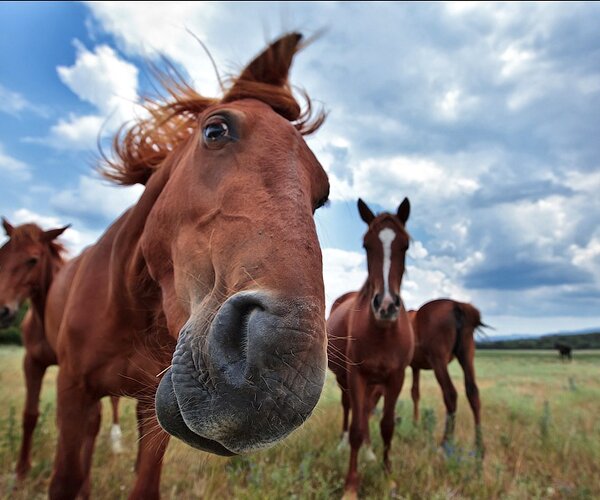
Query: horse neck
52, 262
126, 258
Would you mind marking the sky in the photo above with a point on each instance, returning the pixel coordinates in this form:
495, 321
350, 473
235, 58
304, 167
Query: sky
485, 115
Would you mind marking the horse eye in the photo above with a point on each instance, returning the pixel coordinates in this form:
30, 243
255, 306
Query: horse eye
216, 132
32, 262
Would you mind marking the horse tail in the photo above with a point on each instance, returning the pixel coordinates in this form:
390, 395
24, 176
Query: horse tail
459, 324
468, 321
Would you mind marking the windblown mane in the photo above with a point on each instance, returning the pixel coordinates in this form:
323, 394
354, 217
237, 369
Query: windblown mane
140, 149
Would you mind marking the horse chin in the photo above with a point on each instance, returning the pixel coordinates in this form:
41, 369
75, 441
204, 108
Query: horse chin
171, 420
230, 397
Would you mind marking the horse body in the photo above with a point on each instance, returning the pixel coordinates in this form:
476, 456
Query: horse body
31, 263
214, 275
370, 337
444, 329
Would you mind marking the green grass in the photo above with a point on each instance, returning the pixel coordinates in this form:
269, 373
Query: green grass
540, 421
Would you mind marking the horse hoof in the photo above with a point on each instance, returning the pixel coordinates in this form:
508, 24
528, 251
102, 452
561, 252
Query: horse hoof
350, 494
369, 455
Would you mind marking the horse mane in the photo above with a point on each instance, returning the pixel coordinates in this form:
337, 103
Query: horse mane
140, 148
31, 232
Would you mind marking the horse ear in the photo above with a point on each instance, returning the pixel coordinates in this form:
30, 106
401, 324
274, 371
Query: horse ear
272, 65
404, 210
8, 227
365, 212
52, 234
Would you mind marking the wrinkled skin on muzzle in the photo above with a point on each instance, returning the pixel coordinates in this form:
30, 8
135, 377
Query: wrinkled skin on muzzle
251, 381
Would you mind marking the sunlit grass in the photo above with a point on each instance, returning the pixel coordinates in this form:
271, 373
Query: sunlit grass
540, 420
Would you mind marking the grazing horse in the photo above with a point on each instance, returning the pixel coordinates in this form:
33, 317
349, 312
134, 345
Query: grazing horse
212, 280
29, 261
444, 329
370, 338
564, 350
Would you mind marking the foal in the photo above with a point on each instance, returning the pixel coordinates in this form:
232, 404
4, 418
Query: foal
444, 329
29, 261
370, 338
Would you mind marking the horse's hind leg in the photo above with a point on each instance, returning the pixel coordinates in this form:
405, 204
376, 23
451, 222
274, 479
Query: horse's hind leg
388, 421
152, 447
466, 359
74, 405
115, 430
440, 368
34, 373
414, 392
87, 450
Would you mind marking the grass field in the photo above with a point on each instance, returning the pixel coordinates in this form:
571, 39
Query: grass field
541, 421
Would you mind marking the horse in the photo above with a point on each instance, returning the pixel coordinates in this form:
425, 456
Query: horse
564, 350
370, 337
29, 261
205, 300
444, 329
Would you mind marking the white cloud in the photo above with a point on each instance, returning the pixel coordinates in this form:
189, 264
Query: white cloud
107, 82
10, 166
343, 271
93, 197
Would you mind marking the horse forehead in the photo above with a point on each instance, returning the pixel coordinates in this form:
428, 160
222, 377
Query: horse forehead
387, 235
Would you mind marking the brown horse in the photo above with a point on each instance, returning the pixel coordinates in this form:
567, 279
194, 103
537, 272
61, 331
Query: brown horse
370, 337
29, 261
444, 329
214, 277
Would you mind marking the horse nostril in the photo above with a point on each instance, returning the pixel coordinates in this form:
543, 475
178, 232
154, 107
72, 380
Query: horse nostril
397, 300
377, 301
4, 312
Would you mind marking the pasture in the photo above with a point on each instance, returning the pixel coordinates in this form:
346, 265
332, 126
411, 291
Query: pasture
540, 422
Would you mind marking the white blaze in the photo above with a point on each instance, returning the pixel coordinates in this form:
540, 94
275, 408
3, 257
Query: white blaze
387, 236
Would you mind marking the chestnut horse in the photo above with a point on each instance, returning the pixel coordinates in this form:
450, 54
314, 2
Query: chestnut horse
444, 329
214, 277
370, 338
29, 260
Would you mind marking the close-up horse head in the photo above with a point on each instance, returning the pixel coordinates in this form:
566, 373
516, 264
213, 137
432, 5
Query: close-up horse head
231, 241
26, 260
386, 243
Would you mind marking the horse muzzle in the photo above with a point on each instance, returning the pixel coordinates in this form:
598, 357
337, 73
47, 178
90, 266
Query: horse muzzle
254, 378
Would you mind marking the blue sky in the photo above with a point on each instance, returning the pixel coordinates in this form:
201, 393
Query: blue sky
485, 115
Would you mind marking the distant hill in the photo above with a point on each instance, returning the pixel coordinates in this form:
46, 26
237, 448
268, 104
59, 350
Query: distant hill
575, 340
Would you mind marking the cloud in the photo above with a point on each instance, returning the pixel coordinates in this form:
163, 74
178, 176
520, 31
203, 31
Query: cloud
13, 167
107, 82
14, 103
95, 201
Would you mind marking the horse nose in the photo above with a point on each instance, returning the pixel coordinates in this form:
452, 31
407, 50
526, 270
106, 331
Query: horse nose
389, 305
252, 335
6, 316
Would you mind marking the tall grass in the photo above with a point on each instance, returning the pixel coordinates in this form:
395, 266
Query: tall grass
540, 423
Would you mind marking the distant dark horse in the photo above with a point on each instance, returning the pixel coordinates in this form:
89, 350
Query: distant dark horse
564, 350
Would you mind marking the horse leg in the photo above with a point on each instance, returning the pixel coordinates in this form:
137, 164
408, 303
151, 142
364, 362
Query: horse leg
369, 407
115, 430
358, 396
466, 360
152, 447
346, 407
87, 450
414, 392
74, 405
388, 421
34, 373
440, 368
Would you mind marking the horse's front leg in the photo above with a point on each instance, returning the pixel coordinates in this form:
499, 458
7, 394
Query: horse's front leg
358, 392
75, 407
152, 447
34, 373
388, 421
